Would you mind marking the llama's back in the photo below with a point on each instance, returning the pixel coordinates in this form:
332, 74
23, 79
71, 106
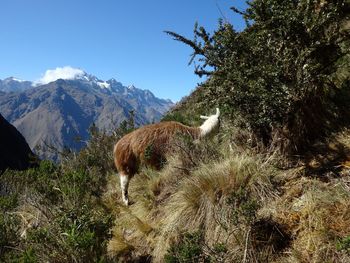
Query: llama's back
159, 135
149, 145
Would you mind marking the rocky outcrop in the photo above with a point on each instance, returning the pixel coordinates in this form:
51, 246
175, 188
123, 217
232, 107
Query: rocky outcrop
14, 151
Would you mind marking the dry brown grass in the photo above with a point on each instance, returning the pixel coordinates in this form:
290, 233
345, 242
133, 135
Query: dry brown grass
299, 217
315, 214
172, 201
201, 202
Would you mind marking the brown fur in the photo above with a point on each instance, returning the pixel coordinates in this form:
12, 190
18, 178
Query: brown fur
148, 145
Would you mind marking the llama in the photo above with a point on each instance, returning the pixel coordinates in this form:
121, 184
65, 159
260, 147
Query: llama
149, 144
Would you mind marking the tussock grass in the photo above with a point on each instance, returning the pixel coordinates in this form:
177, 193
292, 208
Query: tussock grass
239, 205
318, 222
185, 197
203, 201
315, 215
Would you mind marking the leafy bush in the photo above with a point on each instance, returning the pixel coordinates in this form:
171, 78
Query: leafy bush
8, 202
56, 213
286, 76
244, 207
176, 116
9, 226
28, 256
188, 249
344, 244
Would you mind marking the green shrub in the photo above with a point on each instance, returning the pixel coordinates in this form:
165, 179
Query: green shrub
72, 225
176, 116
28, 256
47, 167
244, 207
344, 244
285, 77
8, 202
188, 249
9, 228
220, 248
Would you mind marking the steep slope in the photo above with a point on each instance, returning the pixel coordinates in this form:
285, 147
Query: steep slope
58, 113
14, 151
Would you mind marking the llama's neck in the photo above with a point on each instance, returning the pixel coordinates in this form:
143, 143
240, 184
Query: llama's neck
208, 126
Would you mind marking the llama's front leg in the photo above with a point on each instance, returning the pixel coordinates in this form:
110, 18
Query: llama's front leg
124, 184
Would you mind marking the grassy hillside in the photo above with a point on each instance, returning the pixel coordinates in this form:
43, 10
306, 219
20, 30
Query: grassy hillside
212, 202
272, 186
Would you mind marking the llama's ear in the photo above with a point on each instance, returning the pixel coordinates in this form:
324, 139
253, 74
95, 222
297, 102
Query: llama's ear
204, 117
217, 112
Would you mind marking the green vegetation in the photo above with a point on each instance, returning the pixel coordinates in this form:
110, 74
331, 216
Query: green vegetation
176, 116
344, 244
51, 214
285, 78
188, 250
55, 213
272, 186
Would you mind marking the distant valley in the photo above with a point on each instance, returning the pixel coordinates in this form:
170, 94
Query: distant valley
60, 111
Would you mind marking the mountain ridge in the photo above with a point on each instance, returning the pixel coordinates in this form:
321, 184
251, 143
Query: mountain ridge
60, 111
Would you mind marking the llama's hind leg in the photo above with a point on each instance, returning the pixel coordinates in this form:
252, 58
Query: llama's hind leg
124, 184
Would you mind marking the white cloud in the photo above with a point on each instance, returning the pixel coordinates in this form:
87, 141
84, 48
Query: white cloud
66, 72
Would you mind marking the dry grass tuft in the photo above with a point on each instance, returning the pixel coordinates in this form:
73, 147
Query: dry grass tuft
202, 201
118, 247
316, 216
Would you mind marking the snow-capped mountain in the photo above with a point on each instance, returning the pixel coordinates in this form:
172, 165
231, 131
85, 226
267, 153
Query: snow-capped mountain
55, 111
13, 84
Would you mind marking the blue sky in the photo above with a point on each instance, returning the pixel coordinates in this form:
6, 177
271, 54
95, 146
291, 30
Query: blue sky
109, 39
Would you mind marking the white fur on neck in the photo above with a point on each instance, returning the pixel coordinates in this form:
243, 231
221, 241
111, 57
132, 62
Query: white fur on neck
209, 125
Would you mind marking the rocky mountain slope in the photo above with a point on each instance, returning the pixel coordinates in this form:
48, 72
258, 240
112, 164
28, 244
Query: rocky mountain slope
14, 151
61, 111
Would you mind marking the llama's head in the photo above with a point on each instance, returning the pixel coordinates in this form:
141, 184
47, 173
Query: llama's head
211, 123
